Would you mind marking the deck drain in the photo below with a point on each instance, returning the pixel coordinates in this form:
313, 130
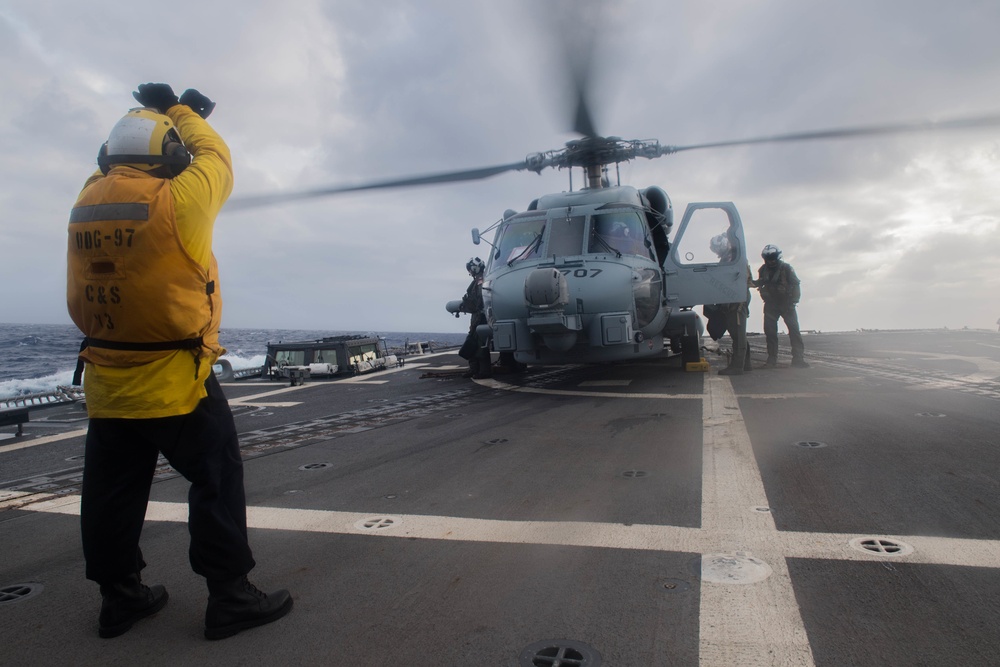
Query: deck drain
559, 653
930, 414
810, 444
18, 592
634, 473
315, 466
454, 415
78, 457
496, 441
378, 523
881, 546
762, 509
736, 568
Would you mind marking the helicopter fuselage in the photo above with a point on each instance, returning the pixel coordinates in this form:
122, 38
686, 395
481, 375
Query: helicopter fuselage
586, 277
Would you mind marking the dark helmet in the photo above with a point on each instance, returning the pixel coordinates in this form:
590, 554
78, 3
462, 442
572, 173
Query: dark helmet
475, 266
771, 253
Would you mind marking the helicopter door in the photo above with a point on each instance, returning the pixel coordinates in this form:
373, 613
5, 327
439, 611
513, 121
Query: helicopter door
707, 262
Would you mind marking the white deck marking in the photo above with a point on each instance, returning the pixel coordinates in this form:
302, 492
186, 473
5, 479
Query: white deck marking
496, 384
758, 623
43, 440
645, 537
252, 399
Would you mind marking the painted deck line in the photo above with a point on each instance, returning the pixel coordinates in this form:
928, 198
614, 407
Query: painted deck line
742, 624
43, 440
586, 534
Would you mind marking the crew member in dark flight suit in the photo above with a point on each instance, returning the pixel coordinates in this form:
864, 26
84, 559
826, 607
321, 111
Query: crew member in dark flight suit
731, 317
477, 354
779, 288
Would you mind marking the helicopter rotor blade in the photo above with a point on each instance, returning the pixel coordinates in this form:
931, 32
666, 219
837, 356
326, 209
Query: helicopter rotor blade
841, 133
583, 120
257, 201
576, 26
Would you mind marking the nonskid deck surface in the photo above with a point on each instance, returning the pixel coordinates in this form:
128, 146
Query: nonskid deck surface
628, 514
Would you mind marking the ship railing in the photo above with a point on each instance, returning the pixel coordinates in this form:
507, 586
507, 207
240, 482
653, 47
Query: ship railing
62, 394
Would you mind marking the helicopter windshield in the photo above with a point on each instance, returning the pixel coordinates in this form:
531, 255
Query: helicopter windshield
566, 237
520, 239
618, 232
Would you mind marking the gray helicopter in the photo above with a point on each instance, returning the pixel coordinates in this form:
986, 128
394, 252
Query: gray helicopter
598, 274
593, 275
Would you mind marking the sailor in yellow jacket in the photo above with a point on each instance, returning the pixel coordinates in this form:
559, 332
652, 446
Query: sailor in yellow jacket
143, 287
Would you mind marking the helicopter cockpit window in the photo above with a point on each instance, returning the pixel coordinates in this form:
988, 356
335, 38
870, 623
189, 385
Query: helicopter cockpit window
618, 232
520, 239
707, 239
566, 237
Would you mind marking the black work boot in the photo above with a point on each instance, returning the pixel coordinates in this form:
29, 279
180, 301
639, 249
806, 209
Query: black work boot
771, 362
126, 602
799, 362
236, 605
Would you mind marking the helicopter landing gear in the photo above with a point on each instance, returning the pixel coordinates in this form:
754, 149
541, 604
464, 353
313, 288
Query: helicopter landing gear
690, 349
675, 344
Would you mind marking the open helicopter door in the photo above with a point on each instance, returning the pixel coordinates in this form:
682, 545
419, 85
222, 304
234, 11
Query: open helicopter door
707, 262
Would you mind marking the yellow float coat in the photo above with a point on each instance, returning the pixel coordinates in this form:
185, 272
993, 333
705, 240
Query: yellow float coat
146, 281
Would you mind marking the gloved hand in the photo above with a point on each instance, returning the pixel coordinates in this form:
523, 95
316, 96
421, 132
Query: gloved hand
200, 104
159, 96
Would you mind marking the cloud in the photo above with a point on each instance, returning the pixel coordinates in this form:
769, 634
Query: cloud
893, 231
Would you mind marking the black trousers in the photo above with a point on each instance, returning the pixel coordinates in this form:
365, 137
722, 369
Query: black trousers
118, 471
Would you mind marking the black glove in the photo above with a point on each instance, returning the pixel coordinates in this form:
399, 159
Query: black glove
159, 96
200, 104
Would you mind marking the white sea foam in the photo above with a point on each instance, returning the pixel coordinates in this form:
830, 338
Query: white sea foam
49, 383
11, 388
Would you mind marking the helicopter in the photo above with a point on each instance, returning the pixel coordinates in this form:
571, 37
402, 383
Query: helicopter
598, 273
593, 275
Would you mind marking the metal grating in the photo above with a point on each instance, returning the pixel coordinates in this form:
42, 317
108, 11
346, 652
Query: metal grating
19, 592
559, 653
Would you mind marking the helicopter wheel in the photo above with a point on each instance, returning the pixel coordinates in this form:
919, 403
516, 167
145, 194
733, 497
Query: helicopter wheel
690, 349
675, 344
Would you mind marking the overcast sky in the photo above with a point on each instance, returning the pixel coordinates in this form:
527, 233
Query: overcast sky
898, 232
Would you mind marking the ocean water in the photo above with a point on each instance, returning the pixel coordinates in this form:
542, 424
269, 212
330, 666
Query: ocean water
37, 358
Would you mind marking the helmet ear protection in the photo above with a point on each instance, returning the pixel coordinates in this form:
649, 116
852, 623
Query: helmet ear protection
147, 140
175, 158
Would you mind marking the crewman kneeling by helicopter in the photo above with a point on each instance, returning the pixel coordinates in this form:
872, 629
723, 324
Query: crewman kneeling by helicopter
472, 349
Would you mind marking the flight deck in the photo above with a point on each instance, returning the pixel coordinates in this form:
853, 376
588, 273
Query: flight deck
625, 514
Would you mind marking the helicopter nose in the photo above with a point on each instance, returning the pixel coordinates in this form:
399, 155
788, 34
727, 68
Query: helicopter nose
546, 288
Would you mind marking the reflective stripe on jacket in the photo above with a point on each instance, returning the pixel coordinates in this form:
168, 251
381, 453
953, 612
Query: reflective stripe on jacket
163, 288
132, 288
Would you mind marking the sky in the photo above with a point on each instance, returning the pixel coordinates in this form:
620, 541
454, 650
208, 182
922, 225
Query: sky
889, 232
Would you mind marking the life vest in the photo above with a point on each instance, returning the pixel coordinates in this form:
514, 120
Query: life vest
776, 284
132, 288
